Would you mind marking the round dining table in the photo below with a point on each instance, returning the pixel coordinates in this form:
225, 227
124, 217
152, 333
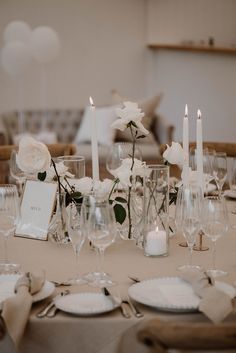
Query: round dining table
102, 333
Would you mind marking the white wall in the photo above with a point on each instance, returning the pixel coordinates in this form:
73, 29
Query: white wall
103, 47
205, 81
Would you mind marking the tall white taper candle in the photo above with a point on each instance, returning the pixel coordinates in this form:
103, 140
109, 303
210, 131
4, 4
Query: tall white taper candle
199, 152
95, 161
186, 148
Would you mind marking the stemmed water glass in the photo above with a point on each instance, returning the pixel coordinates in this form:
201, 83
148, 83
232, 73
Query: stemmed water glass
77, 235
16, 172
9, 216
215, 225
119, 151
101, 230
188, 219
220, 170
232, 177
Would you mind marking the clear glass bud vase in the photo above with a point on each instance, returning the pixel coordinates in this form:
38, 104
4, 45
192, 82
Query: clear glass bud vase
156, 212
58, 227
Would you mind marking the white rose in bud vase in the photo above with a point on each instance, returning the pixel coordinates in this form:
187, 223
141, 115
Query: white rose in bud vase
130, 113
174, 154
33, 156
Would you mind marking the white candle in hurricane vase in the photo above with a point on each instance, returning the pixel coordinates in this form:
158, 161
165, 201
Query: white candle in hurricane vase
156, 243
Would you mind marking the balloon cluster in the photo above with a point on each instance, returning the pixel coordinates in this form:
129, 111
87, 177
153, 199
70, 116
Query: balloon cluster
22, 44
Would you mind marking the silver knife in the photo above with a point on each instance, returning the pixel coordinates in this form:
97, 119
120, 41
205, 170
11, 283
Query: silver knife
123, 308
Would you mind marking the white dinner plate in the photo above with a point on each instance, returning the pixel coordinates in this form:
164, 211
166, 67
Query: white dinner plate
7, 285
230, 193
171, 294
86, 304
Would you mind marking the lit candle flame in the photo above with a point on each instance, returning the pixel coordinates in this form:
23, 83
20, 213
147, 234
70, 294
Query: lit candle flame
91, 101
199, 114
186, 111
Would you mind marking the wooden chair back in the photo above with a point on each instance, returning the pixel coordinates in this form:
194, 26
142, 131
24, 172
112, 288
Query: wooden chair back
227, 147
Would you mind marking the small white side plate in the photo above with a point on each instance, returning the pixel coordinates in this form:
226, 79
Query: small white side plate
7, 285
86, 304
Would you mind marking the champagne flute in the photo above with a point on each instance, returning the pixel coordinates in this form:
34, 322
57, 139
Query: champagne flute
77, 235
9, 216
188, 219
101, 230
215, 225
220, 170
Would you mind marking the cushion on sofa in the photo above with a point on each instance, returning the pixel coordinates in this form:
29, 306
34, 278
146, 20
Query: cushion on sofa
148, 106
105, 116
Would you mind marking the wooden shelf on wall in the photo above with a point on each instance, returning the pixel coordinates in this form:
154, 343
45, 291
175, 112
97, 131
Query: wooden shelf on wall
203, 49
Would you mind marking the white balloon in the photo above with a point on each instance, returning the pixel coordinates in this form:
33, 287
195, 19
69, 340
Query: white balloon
45, 44
17, 31
15, 58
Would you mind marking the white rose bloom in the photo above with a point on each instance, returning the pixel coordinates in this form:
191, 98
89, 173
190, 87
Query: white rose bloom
103, 188
174, 154
123, 173
83, 185
62, 171
129, 113
33, 156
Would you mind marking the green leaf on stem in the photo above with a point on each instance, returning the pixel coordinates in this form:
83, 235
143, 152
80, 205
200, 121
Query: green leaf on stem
42, 176
141, 137
120, 199
133, 124
120, 213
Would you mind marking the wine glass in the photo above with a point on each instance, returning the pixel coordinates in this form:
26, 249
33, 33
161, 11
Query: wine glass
220, 170
119, 151
16, 172
77, 235
101, 230
215, 225
9, 216
232, 177
188, 219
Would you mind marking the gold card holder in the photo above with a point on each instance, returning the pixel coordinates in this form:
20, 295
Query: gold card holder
37, 205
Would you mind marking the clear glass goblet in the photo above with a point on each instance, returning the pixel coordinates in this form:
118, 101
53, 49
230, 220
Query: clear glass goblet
101, 229
215, 225
16, 172
9, 217
77, 235
220, 170
188, 219
119, 151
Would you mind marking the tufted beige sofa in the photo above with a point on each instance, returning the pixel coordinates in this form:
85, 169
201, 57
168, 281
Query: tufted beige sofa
65, 124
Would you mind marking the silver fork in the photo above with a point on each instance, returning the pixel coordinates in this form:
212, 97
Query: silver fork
42, 313
137, 313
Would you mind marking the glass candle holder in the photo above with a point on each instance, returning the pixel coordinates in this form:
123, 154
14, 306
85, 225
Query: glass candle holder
156, 211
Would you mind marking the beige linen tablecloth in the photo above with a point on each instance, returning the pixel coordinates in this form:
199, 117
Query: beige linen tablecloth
101, 334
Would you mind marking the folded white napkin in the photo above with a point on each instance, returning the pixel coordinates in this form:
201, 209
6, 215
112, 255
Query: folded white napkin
16, 309
214, 303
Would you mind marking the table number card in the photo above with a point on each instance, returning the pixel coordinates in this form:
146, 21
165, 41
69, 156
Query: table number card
36, 209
